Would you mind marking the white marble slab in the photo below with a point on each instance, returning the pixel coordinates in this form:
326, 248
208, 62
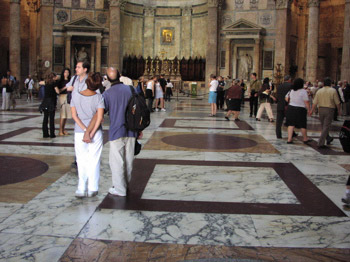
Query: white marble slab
18, 247
206, 124
163, 227
217, 184
303, 231
7, 209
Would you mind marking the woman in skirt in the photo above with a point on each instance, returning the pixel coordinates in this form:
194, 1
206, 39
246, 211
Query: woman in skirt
234, 99
297, 110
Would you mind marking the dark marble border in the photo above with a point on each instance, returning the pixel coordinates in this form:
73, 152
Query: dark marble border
50, 142
328, 151
312, 201
170, 123
22, 118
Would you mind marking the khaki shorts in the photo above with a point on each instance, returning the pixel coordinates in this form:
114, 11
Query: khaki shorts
65, 111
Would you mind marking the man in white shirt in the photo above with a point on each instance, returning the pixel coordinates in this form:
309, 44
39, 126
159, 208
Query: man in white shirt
29, 83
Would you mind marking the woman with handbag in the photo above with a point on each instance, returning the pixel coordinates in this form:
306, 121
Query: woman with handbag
265, 99
85, 105
65, 111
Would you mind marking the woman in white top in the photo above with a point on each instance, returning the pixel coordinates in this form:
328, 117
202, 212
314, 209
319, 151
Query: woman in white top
150, 92
168, 91
297, 111
159, 97
213, 85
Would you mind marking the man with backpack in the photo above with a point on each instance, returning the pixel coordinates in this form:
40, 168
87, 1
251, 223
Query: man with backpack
122, 140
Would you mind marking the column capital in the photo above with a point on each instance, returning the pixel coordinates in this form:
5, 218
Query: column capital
186, 10
149, 10
283, 4
98, 38
116, 3
213, 3
313, 3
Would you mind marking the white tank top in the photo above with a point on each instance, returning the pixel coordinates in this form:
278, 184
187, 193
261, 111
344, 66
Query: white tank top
149, 85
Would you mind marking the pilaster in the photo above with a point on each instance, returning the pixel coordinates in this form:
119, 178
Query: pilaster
345, 67
15, 38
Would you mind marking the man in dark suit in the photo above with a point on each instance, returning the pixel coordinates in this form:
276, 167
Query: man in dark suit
282, 91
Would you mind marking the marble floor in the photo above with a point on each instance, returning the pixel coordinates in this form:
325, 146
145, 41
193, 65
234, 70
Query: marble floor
202, 189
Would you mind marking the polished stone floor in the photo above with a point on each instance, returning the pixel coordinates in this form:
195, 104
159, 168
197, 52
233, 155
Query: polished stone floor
203, 189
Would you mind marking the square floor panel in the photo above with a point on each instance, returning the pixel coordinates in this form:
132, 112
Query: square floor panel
201, 142
308, 195
217, 184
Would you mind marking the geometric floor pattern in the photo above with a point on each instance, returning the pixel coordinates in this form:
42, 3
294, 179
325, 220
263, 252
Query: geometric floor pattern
202, 189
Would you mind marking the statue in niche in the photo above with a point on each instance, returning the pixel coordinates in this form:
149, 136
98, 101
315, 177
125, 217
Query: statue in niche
245, 65
81, 55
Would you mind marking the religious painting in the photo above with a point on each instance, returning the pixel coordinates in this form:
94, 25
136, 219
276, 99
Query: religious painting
167, 36
268, 60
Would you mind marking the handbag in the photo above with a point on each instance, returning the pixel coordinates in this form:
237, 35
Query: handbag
137, 148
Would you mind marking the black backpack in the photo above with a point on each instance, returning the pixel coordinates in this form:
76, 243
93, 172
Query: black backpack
344, 136
137, 115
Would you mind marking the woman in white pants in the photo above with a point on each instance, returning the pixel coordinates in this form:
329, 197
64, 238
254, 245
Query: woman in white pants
84, 106
265, 100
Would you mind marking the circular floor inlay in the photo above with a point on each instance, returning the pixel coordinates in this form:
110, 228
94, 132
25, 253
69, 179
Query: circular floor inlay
209, 141
18, 169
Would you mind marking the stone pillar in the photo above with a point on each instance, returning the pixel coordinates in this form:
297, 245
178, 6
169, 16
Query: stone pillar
148, 34
345, 67
32, 41
68, 51
186, 32
312, 41
15, 38
98, 53
46, 37
257, 56
212, 42
114, 46
228, 63
282, 42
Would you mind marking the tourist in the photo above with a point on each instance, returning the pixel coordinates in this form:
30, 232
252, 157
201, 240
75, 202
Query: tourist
244, 88
159, 97
213, 85
220, 98
13, 93
253, 90
282, 91
297, 110
48, 105
29, 83
122, 141
150, 91
65, 110
5, 99
346, 92
77, 83
265, 98
85, 105
346, 198
169, 90
327, 100
140, 86
233, 98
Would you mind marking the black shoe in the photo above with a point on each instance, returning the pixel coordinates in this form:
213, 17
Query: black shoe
250, 115
295, 134
227, 118
46, 136
290, 142
307, 141
237, 119
322, 147
257, 119
329, 141
279, 137
53, 136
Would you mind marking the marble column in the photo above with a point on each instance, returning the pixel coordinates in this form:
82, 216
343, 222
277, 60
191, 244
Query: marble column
114, 46
257, 56
68, 51
98, 53
212, 39
312, 41
46, 39
32, 41
148, 34
186, 32
15, 38
345, 68
282, 42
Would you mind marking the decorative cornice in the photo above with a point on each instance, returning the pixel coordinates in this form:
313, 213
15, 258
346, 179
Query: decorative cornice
283, 4
15, 1
313, 3
213, 3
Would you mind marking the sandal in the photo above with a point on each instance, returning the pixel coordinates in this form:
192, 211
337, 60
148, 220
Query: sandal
65, 133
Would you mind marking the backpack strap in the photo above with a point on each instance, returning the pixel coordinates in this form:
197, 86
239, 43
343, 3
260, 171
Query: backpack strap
74, 78
132, 90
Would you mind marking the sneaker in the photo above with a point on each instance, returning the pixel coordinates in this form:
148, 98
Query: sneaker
157, 109
346, 199
163, 110
92, 193
329, 141
79, 194
114, 192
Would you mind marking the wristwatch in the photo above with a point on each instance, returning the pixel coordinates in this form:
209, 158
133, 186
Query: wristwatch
84, 129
